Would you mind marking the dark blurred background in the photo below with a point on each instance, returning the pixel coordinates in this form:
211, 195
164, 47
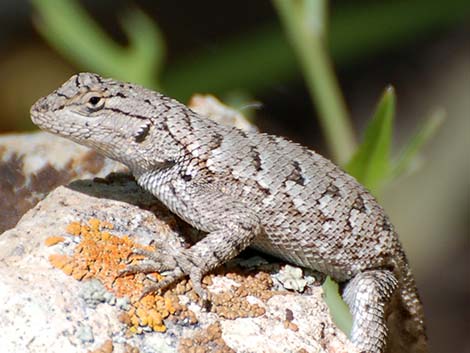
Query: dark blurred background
238, 51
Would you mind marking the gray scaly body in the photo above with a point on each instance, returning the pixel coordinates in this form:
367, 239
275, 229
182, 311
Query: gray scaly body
248, 189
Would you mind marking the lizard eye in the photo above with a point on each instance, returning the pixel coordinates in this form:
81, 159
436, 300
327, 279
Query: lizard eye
95, 103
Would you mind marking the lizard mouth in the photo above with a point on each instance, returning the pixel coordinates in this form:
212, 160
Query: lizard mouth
42, 119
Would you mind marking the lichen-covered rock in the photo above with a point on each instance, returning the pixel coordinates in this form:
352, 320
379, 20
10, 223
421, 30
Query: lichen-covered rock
60, 293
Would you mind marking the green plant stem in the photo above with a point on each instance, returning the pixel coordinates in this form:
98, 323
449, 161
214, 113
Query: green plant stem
304, 22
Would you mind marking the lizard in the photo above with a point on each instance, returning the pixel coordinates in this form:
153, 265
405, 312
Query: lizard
247, 189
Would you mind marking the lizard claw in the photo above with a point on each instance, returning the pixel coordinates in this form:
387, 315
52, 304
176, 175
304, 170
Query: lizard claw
141, 268
153, 255
175, 275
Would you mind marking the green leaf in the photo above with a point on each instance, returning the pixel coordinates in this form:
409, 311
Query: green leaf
407, 157
338, 308
69, 29
371, 162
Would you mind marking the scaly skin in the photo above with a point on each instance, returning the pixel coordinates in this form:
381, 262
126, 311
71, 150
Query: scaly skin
248, 189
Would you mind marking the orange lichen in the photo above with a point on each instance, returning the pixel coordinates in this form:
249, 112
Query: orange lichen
290, 325
58, 260
102, 255
130, 349
106, 347
205, 340
234, 303
53, 240
74, 228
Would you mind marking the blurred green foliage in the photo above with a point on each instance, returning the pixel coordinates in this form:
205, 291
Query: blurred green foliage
312, 37
407, 160
354, 32
68, 28
371, 162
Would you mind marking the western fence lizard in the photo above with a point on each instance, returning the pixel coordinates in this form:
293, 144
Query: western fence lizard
248, 189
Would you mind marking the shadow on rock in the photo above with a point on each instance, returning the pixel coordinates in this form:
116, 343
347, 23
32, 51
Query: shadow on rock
116, 186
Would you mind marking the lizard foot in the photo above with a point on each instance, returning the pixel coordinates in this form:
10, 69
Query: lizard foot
173, 276
159, 261
155, 261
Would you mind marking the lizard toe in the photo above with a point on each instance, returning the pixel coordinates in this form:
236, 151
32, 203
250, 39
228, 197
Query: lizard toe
163, 258
147, 267
169, 279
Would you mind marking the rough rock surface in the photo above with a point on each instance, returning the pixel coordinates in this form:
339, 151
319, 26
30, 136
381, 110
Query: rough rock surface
48, 311
31, 165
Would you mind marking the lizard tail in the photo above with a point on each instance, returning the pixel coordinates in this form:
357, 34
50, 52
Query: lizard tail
406, 319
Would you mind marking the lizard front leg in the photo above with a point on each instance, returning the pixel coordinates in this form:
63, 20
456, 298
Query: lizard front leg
230, 225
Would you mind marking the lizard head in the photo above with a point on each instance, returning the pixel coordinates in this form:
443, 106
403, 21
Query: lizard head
115, 118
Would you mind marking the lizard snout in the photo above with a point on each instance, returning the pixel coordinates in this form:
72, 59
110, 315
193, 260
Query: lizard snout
41, 105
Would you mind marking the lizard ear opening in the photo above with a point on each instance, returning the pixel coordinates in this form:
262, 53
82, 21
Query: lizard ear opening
142, 133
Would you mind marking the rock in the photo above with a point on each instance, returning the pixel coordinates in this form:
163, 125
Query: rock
31, 165
209, 106
46, 309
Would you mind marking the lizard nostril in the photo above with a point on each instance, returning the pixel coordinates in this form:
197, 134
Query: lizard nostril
41, 105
